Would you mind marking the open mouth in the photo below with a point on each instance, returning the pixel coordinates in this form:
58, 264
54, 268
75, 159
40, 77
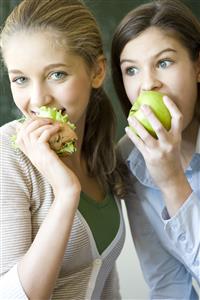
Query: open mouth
63, 111
36, 112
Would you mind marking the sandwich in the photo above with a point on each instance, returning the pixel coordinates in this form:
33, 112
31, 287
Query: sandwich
62, 142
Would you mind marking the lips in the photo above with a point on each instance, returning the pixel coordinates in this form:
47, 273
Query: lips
36, 112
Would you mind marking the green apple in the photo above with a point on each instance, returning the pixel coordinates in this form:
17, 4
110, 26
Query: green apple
155, 101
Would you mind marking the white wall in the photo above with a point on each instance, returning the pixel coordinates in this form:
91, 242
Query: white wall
133, 286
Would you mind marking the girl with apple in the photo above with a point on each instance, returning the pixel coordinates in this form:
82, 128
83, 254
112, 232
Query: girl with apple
156, 49
61, 225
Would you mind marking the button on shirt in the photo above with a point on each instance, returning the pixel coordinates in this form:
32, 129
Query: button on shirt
168, 248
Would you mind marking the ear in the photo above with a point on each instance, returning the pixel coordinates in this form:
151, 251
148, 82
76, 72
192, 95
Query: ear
99, 72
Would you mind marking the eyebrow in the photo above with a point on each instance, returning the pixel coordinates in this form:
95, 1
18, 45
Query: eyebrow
158, 54
51, 66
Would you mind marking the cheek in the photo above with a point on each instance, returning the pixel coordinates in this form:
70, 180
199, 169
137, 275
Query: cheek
18, 97
129, 88
186, 104
187, 94
75, 93
75, 98
21, 100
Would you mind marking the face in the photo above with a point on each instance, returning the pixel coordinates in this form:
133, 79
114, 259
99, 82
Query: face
42, 74
157, 61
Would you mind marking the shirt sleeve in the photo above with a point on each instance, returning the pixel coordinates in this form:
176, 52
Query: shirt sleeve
183, 231
15, 224
165, 275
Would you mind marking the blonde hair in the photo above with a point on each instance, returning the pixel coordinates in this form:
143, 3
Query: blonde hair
70, 19
75, 28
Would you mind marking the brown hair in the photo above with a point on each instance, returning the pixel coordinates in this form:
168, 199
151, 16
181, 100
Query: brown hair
168, 15
71, 21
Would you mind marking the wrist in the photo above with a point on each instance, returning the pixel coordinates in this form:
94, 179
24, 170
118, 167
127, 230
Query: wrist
69, 197
175, 193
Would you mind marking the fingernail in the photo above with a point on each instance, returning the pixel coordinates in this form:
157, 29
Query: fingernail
145, 107
165, 98
126, 129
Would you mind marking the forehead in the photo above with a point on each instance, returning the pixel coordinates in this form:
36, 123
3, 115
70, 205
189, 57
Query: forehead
34, 48
150, 42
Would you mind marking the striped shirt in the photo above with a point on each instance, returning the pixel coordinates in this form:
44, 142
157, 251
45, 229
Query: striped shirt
26, 198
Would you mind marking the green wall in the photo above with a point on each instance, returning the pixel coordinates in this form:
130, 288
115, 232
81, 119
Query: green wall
108, 14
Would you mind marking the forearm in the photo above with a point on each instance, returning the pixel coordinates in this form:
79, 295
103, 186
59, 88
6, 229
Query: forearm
183, 233
176, 191
39, 268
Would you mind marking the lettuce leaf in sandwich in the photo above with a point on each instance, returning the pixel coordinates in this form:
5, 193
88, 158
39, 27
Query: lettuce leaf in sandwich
62, 142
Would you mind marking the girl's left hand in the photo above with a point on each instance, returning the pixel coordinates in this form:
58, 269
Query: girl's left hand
162, 155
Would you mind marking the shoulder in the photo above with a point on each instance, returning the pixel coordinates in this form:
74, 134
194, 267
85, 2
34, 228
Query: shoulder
8, 129
124, 147
12, 160
17, 171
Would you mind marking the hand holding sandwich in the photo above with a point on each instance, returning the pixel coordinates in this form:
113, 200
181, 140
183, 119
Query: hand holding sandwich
43, 139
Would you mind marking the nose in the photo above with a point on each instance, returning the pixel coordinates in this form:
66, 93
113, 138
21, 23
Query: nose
150, 81
40, 95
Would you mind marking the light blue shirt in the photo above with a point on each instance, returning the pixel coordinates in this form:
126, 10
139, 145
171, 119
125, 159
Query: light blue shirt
168, 248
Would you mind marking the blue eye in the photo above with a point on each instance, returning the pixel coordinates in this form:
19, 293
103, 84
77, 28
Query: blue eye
57, 75
163, 64
131, 71
20, 80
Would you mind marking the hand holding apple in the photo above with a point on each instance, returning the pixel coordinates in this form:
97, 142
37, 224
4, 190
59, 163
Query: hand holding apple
155, 101
162, 155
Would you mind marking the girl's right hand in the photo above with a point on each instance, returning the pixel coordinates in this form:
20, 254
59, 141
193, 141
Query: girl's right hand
163, 155
32, 138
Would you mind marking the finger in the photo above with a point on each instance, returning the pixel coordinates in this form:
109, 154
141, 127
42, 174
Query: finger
177, 117
22, 123
135, 139
20, 128
32, 125
41, 135
44, 133
27, 130
155, 123
141, 131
